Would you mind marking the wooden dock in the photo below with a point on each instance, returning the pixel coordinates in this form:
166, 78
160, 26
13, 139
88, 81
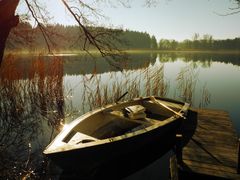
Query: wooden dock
209, 147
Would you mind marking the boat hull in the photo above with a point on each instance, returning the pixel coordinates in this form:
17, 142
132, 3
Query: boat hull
88, 159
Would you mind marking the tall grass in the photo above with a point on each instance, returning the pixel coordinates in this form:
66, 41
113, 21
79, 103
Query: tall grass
186, 82
97, 92
150, 81
25, 106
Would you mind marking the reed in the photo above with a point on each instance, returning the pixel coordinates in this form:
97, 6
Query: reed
97, 92
205, 97
26, 107
186, 82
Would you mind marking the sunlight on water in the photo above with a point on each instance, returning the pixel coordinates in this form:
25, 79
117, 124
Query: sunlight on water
65, 126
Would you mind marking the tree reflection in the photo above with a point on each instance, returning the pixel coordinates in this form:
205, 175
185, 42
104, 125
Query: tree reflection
187, 80
204, 59
27, 109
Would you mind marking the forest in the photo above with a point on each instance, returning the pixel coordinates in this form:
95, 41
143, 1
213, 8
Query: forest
63, 38
66, 38
206, 42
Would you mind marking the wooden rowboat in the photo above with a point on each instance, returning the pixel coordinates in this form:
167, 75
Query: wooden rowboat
115, 130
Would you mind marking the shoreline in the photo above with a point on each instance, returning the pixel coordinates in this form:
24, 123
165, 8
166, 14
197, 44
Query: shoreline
131, 51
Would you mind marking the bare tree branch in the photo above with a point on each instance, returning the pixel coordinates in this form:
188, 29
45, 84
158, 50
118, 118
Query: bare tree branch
37, 15
96, 37
233, 10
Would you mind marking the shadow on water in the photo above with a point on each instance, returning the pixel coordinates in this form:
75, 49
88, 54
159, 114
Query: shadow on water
124, 166
188, 127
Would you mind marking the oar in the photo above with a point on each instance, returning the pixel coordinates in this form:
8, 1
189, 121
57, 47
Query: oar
121, 97
170, 109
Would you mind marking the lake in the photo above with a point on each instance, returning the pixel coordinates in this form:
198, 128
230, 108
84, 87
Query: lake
39, 94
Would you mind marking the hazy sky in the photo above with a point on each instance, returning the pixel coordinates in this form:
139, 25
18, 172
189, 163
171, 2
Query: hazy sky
171, 19
180, 19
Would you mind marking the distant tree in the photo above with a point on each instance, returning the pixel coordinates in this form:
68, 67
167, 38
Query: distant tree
207, 41
174, 45
195, 36
165, 44
195, 41
153, 43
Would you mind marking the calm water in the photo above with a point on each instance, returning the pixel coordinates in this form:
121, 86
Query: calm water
39, 94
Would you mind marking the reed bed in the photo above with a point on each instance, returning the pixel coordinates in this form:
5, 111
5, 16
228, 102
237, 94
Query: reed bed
97, 92
26, 106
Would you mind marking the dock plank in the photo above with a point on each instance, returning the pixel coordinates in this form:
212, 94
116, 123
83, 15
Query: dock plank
218, 173
210, 144
210, 166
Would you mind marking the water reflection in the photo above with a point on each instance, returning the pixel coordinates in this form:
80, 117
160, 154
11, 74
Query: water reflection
30, 110
204, 59
39, 94
82, 64
100, 89
186, 82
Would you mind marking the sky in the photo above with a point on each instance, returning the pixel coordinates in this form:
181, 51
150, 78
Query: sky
168, 19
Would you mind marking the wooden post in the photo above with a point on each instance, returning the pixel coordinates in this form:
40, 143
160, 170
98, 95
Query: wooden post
178, 148
176, 159
238, 165
173, 168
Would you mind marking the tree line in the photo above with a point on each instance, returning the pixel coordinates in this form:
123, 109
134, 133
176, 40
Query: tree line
206, 42
25, 37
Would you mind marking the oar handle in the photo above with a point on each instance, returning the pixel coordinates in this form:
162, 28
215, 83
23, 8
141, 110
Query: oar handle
121, 97
170, 109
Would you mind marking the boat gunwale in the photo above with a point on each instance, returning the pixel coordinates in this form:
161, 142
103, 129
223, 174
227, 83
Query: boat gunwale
68, 147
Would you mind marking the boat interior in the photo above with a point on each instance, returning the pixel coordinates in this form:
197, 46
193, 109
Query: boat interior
115, 121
